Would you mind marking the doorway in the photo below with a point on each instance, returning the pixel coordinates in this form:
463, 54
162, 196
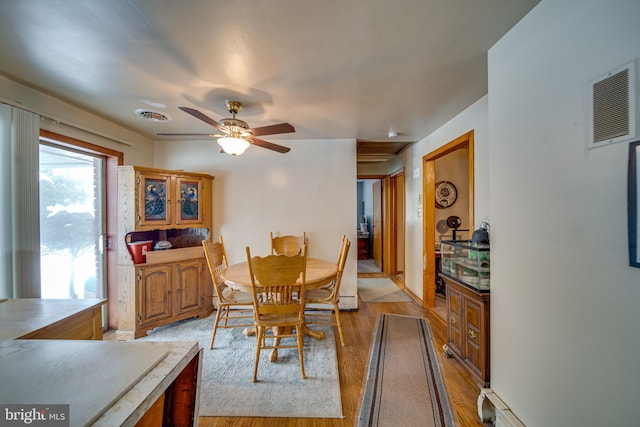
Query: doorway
398, 220
461, 147
370, 224
61, 160
72, 224
381, 198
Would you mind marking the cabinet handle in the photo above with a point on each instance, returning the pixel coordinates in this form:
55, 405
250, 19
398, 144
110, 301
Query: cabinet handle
471, 334
453, 321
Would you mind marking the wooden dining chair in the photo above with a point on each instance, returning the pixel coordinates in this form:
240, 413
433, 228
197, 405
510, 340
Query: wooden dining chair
328, 296
232, 305
277, 286
287, 245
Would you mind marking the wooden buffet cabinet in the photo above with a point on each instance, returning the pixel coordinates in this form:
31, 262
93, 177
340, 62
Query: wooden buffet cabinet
172, 284
468, 328
363, 247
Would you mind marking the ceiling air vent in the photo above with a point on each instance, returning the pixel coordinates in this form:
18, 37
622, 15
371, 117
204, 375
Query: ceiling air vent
153, 116
613, 107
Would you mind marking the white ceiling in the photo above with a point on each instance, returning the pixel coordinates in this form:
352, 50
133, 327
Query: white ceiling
331, 68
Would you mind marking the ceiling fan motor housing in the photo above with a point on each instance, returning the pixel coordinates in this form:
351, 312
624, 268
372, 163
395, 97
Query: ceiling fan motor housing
233, 106
235, 126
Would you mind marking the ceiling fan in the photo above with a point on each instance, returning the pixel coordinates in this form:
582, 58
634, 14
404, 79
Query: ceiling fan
236, 135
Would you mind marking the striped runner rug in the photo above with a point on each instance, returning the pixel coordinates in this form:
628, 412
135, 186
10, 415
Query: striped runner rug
404, 386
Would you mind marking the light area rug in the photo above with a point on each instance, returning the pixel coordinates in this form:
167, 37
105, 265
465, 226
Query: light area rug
227, 387
380, 290
367, 266
404, 386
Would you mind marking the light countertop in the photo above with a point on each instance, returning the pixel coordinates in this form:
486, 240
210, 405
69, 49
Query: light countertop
21, 316
106, 383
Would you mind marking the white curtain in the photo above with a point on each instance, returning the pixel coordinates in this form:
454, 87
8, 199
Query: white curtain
19, 191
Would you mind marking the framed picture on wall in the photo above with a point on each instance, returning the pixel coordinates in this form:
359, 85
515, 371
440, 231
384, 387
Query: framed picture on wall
633, 196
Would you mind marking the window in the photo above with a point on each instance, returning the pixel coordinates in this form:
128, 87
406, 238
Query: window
71, 223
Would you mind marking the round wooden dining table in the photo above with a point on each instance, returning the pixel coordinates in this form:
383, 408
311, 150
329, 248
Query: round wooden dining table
319, 272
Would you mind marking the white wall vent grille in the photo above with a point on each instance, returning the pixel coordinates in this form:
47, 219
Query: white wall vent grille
612, 109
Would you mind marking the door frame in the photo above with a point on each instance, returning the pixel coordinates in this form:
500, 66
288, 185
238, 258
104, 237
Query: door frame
429, 210
397, 222
113, 159
385, 184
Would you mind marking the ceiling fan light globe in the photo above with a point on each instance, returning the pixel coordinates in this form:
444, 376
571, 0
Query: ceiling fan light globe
233, 146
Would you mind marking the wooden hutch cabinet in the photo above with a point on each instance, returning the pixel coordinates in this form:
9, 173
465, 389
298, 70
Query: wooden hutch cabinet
173, 284
465, 272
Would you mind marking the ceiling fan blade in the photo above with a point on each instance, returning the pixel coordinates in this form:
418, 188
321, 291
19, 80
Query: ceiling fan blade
269, 145
199, 115
186, 134
272, 129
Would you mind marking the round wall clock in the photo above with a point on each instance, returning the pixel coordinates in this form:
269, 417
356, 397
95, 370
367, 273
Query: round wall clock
446, 194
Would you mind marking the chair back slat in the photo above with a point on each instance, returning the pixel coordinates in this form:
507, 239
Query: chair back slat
288, 245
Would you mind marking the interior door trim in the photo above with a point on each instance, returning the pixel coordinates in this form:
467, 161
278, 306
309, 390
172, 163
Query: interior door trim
385, 207
113, 159
429, 210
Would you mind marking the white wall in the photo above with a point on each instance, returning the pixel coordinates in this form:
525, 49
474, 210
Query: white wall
564, 302
312, 188
473, 118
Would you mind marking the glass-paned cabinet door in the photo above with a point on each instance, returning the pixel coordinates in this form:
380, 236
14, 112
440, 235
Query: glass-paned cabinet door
189, 208
153, 199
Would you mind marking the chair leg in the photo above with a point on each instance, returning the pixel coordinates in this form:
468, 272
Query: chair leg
336, 310
259, 342
277, 332
215, 325
300, 337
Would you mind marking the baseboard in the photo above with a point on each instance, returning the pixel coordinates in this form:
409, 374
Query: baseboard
492, 410
348, 302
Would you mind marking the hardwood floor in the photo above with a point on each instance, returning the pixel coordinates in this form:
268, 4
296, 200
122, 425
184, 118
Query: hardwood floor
352, 361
